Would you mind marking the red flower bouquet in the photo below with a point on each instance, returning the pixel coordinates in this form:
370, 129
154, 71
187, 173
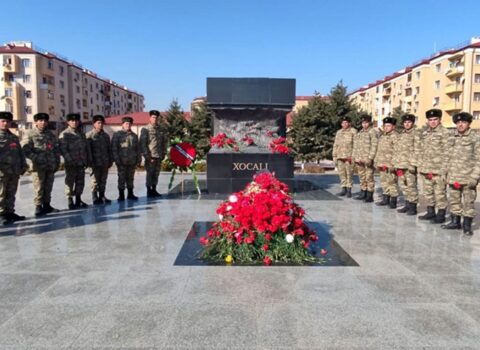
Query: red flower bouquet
260, 224
279, 145
222, 141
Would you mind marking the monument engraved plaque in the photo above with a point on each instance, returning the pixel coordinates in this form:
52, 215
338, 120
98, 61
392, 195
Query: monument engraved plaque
252, 109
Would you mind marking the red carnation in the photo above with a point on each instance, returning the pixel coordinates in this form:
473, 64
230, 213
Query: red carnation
457, 186
430, 176
265, 247
203, 240
399, 172
267, 261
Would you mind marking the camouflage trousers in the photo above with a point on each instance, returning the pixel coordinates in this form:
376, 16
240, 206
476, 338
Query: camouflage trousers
367, 182
99, 178
126, 174
74, 180
388, 180
466, 207
345, 171
42, 186
8, 189
435, 191
408, 184
153, 171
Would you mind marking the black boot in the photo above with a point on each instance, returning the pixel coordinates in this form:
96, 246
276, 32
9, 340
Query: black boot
429, 215
467, 226
47, 208
130, 194
79, 203
454, 223
349, 192
71, 206
95, 199
150, 192
104, 199
10, 218
405, 208
155, 193
385, 201
362, 195
393, 202
39, 211
343, 192
369, 197
439, 218
121, 195
412, 209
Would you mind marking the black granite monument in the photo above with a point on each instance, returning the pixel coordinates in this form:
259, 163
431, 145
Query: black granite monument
253, 108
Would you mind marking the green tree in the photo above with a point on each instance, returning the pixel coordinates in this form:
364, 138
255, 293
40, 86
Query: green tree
340, 105
176, 123
200, 129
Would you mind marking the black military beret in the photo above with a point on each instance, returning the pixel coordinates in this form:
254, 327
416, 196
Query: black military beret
366, 118
97, 118
409, 117
127, 120
345, 119
6, 115
154, 112
73, 116
462, 116
389, 120
41, 116
433, 113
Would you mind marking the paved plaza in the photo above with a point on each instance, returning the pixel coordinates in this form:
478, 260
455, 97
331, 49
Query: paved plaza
104, 278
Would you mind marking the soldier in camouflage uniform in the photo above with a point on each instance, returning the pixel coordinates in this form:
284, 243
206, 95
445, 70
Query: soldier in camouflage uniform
342, 155
153, 149
41, 146
433, 163
99, 144
405, 163
127, 156
12, 165
384, 163
364, 150
463, 173
77, 157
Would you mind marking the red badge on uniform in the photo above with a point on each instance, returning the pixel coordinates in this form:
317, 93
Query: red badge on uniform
399, 172
183, 154
49, 146
13, 145
457, 186
429, 176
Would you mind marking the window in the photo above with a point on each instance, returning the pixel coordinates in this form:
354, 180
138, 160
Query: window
27, 78
477, 78
62, 100
77, 102
438, 67
97, 96
50, 64
8, 92
96, 86
77, 88
62, 84
476, 96
476, 115
28, 109
62, 69
417, 75
25, 62
456, 98
437, 84
378, 89
417, 90
477, 59
50, 95
28, 93
436, 101
91, 88
63, 112
77, 76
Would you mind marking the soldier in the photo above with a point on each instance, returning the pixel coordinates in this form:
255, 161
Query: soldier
405, 163
342, 155
99, 144
77, 157
463, 173
41, 146
12, 165
153, 149
384, 163
365, 148
127, 156
433, 163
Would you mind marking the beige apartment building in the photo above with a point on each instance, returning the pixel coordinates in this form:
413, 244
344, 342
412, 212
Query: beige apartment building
449, 80
33, 81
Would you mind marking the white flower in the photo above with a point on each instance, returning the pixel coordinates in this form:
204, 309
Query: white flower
233, 199
289, 238
229, 207
220, 216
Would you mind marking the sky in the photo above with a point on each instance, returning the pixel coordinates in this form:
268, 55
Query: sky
165, 49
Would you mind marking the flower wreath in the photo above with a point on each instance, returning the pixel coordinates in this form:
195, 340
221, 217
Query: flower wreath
182, 157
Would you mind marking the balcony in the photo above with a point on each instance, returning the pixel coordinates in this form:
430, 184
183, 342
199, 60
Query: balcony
14, 102
408, 98
11, 63
452, 106
387, 93
454, 71
453, 88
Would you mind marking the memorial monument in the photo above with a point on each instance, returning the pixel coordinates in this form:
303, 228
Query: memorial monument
249, 123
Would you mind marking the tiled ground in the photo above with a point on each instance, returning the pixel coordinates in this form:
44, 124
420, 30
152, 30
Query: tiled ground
103, 278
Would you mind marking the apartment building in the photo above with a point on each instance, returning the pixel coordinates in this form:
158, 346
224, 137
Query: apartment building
33, 81
448, 80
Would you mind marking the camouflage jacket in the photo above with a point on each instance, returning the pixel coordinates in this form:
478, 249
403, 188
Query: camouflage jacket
435, 148
12, 159
100, 148
42, 148
73, 146
386, 150
343, 145
464, 163
126, 148
152, 142
407, 149
365, 145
